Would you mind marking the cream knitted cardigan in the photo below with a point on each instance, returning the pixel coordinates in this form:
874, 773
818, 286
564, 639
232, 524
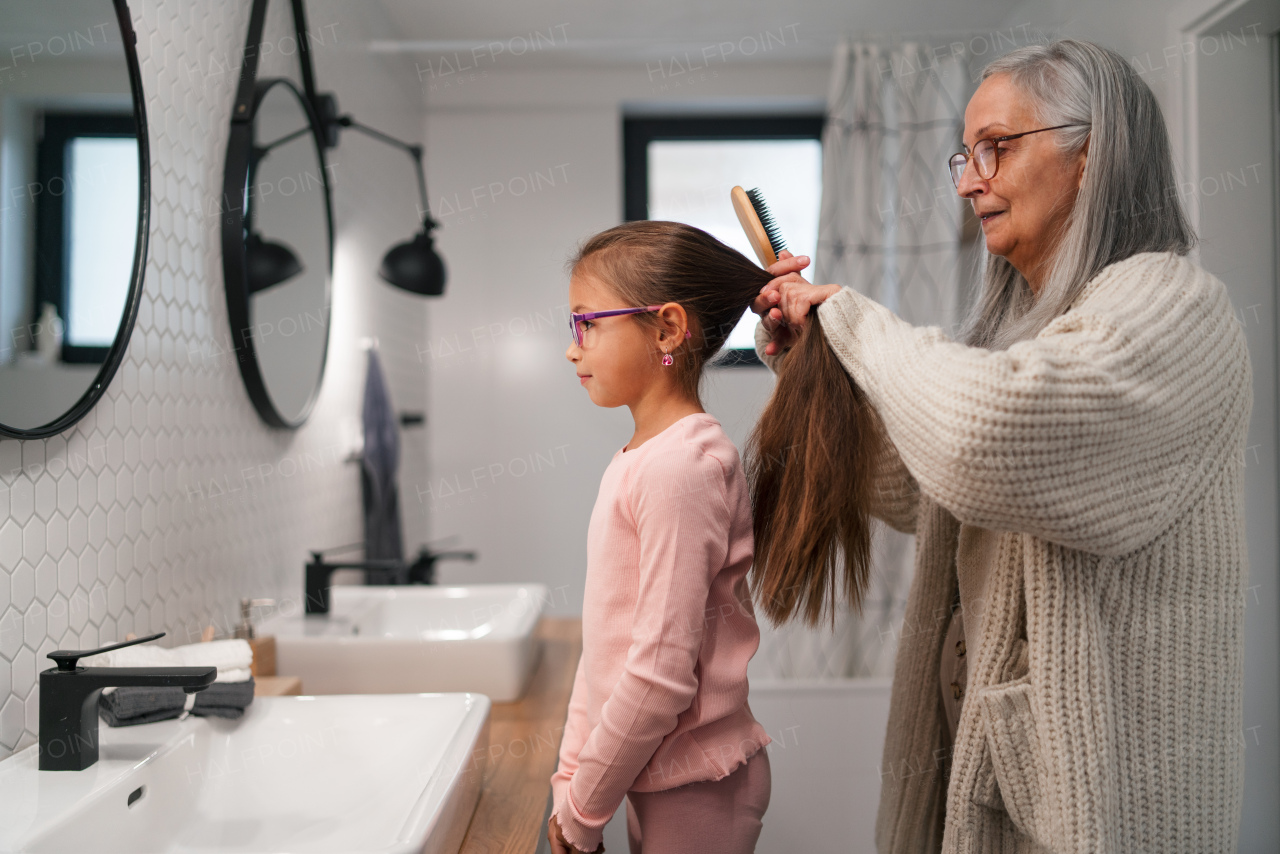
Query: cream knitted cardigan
1105, 713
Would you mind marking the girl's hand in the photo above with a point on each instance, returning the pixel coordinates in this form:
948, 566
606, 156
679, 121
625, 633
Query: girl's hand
560, 845
784, 303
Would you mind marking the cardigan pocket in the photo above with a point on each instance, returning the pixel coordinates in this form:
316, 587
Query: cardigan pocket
1007, 777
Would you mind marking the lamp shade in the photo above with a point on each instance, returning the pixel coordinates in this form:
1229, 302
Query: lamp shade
414, 266
268, 263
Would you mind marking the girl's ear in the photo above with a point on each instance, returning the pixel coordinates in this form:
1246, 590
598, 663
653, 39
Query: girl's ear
674, 324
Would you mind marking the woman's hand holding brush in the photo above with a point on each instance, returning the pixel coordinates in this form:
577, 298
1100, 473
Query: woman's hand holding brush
784, 303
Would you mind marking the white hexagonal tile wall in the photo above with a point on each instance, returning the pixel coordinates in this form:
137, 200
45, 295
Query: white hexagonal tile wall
24, 672
58, 618
35, 625
10, 633
109, 527
78, 611
46, 579
10, 542
46, 500
34, 546
21, 499
12, 722
22, 584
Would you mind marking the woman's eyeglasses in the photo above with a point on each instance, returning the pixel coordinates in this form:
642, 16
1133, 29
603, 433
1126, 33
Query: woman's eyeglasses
986, 156
576, 320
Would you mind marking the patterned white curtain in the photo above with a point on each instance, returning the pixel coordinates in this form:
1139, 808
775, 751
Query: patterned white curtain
891, 227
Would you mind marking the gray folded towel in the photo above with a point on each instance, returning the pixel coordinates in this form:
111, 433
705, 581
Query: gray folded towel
131, 706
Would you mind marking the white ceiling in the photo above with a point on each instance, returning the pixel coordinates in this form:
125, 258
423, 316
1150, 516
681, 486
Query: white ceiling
575, 32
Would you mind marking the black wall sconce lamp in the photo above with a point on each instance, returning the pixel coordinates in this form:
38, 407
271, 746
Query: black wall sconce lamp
414, 265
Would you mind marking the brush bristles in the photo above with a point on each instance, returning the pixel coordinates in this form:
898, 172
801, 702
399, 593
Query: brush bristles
766, 219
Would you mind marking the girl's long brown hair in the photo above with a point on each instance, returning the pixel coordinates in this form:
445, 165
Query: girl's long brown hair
810, 465
809, 460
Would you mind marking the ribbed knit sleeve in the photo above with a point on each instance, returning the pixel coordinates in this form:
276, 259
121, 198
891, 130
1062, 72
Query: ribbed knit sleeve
1080, 436
576, 730
682, 516
762, 340
895, 495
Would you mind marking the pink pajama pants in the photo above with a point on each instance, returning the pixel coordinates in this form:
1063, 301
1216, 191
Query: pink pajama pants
714, 817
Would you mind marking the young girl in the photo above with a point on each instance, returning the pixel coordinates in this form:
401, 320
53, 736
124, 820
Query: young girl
659, 709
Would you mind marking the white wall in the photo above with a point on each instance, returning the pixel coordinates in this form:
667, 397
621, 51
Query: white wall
1235, 179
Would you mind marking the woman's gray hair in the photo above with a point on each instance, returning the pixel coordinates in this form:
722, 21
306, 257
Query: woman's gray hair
1128, 201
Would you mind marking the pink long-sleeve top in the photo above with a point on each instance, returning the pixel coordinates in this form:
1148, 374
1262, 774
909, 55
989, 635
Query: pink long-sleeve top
660, 695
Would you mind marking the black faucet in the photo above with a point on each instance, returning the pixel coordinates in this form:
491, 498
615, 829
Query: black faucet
423, 568
386, 571
69, 701
318, 576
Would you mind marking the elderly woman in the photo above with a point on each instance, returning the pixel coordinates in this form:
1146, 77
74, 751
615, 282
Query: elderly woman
1070, 671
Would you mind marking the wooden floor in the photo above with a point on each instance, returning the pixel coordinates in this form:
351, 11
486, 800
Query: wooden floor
524, 742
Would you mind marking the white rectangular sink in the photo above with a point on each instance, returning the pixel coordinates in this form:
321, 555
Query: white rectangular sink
390, 640
386, 774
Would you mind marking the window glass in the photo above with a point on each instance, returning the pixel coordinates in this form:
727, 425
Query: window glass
689, 182
102, 215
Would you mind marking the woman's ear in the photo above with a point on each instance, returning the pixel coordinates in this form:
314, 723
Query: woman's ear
1083, 163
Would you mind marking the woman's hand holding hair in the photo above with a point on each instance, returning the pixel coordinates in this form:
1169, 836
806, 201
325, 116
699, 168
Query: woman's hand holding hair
784, 303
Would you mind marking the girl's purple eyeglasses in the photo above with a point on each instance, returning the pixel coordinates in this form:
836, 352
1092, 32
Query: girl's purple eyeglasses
575, 318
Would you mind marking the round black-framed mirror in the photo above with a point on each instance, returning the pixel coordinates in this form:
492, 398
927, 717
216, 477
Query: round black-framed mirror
72, 309
277, 251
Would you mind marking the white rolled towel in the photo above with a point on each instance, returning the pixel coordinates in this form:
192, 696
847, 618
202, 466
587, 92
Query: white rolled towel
232, 657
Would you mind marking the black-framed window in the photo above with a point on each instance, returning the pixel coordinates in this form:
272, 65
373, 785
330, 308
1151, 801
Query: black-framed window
682, 168
86, 221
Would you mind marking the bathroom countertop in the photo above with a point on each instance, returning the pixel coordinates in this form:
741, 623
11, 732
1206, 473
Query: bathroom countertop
276, 686
524, 744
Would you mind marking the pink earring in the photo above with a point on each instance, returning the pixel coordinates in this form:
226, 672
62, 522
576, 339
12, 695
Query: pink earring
666, 357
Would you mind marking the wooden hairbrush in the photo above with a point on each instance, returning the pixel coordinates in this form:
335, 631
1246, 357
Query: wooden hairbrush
762, 232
